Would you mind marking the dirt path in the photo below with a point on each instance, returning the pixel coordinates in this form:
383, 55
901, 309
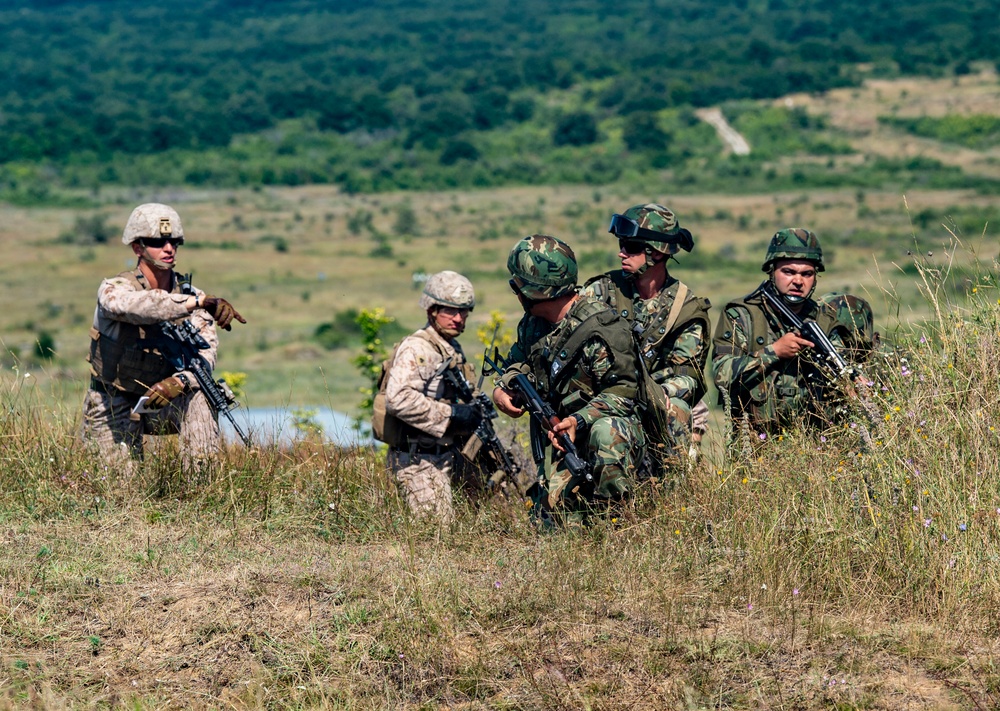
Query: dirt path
729, 135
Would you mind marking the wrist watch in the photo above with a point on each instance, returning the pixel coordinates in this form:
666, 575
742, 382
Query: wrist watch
185, 380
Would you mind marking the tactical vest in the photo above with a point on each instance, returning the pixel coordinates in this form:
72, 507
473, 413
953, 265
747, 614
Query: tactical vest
656, 337
554, 363
790, 389
132, 363
389, 428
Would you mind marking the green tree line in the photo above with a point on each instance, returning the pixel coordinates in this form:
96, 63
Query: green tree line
381, 86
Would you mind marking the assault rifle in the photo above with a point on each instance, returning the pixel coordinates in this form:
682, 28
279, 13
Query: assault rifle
485, 432
829, 357
543, 414
838, 370
181, 345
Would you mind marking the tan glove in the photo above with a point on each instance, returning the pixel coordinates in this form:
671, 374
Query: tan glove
222, 311
161, 394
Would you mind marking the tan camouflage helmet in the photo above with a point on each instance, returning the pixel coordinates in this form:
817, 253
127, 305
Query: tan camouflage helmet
153, 220
650, 223
794, 243
448, 288
542, 268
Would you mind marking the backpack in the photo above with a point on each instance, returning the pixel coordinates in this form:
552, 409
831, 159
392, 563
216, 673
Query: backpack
385, 427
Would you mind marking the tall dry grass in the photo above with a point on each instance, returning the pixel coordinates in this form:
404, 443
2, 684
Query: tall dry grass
815, 572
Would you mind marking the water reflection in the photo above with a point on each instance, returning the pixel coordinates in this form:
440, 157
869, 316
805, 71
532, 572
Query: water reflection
267, 425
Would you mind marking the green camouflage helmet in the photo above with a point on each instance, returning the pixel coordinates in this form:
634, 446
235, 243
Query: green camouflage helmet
542, 268
152, 220
651, 220
794, 243
855, 315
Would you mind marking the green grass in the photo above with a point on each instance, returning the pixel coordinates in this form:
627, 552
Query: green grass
979, 131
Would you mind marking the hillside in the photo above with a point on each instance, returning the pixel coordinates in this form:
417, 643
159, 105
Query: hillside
437, 95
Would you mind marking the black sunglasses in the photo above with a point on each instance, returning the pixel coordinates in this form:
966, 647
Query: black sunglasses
160, 242
631, 246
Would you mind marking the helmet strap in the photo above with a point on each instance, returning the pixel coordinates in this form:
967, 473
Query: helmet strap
446, 332
526, 303
793, 301
650, 262
154, 263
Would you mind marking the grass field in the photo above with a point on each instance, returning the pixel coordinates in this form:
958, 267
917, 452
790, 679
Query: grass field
810, 573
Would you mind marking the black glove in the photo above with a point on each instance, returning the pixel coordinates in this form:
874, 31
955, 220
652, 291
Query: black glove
464, 419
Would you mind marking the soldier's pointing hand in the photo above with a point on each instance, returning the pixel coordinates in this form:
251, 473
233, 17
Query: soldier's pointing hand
222, 311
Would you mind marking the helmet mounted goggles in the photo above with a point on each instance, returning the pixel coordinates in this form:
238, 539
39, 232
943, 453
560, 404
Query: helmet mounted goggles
625, 228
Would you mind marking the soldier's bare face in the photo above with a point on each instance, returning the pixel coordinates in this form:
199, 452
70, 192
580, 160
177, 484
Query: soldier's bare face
795, 277
450, 320
632, 261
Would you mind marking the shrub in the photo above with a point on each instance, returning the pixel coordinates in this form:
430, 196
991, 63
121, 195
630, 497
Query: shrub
576, 129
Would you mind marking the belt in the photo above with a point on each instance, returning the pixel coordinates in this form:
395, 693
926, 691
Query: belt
435, 449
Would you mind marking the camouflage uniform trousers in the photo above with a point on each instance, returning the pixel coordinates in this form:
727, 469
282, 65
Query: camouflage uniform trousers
614, 447
425, 481
117, 439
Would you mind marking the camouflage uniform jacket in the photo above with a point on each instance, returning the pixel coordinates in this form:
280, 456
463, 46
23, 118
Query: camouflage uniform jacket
771, 392
123, 355
584, 365
675, 359
416, 391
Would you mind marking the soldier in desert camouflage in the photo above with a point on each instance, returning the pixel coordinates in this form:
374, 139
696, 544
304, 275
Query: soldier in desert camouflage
430, 423
670, 323
125, 364
581, 357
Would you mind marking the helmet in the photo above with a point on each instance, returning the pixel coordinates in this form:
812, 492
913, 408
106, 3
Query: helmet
153, 220
794, 243
542, 268
448, 288
854, 314
652, 223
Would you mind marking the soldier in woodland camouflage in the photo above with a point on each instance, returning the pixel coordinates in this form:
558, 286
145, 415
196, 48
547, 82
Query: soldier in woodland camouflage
766, 374
856, 324
125, 363
424, 455
670, 323
582, 360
